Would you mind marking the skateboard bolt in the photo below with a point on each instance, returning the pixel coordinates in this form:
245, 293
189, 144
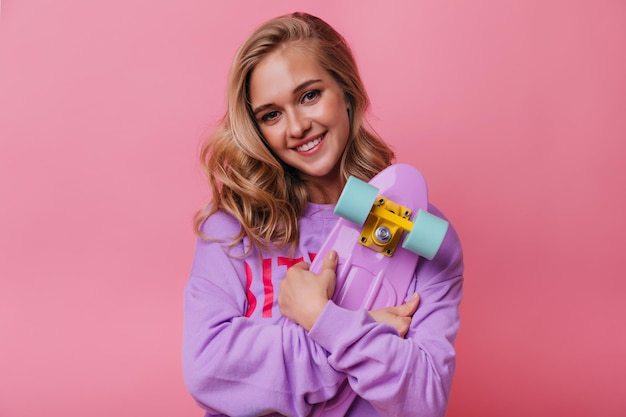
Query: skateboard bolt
382, 234
381, 201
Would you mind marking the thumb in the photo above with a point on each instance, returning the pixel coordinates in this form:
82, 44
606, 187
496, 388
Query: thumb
410, 307
330, 262
329, 266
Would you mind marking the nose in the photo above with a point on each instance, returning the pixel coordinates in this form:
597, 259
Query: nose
299, 124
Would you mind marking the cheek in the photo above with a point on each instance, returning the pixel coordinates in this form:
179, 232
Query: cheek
336, 113
345, 120
272, 136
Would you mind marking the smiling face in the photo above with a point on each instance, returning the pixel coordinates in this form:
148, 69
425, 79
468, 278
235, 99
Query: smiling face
302, 113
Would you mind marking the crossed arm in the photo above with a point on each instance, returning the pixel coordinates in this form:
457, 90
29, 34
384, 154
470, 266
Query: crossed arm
235, 365
303, 296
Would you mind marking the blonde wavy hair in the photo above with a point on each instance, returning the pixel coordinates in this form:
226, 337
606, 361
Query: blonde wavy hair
247, 180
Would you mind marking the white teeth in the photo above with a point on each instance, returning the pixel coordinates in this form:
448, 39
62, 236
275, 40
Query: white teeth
309, 145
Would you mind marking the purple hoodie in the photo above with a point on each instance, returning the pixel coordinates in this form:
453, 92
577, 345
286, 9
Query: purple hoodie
241, 357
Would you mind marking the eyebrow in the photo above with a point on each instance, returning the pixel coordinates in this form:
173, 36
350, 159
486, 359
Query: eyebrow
295, 91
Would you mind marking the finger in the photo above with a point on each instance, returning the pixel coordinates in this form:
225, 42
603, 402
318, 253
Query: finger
329, 266
404, 326
330, 261
410, 307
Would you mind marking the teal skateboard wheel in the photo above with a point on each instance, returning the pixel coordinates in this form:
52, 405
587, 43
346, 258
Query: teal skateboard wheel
356, 201
427, 235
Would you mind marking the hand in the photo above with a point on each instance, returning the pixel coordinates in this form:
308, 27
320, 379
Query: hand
303, 294
398, 317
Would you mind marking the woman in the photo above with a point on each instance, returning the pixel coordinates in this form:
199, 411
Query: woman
292, 134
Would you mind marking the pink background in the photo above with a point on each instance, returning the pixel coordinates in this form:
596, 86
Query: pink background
515, 111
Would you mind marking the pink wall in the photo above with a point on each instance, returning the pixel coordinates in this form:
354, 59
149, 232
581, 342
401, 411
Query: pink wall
514, 110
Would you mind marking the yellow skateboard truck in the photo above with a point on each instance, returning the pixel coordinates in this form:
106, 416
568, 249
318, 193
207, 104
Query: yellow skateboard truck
384, 225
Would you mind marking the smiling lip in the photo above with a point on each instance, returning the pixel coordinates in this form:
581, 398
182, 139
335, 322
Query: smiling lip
311, 144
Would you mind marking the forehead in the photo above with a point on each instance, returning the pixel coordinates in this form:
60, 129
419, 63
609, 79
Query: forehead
280, 72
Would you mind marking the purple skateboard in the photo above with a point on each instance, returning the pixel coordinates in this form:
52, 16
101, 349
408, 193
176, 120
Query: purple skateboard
383, 230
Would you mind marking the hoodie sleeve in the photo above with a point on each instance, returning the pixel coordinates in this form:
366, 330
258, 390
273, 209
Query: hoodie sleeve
402, 376
234, 365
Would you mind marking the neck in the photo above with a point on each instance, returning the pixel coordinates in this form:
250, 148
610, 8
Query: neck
318, 196
324, 192
324, 189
